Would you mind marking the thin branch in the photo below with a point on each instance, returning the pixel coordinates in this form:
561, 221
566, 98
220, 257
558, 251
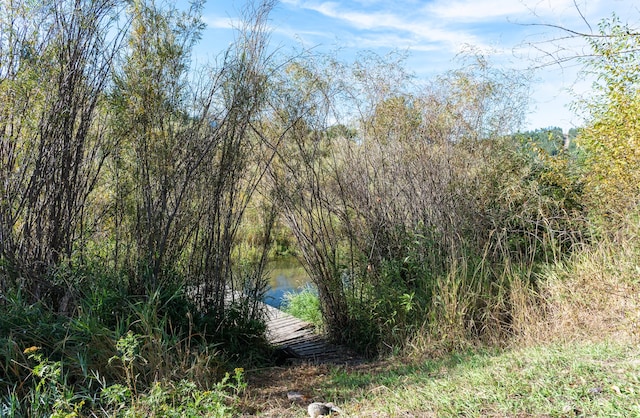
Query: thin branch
582, 16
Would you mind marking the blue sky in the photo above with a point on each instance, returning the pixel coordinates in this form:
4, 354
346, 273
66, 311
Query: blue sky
434, 32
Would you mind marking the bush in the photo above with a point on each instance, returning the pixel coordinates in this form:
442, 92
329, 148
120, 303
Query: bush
49, 393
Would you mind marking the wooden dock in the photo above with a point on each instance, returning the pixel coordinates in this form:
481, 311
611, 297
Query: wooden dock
286, 331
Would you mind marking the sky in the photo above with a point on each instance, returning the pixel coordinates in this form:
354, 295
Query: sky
435, 32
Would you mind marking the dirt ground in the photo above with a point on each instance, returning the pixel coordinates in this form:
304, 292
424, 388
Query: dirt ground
287, 391
283, 391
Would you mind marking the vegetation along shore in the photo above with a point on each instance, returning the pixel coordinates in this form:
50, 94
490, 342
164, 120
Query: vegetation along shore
476, 268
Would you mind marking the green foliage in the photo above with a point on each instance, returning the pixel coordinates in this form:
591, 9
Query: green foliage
184, 399
611, 137
395, 297
549, 140
304, 305
166, 397
128, 348
533, 200
75, 365
52, 395
241, 337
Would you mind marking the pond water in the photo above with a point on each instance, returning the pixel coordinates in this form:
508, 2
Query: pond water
285, 276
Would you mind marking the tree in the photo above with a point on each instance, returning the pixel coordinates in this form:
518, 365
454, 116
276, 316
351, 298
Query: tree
608, 142
302, 179
611, 136
189, 155
162, 137
233, 171
55, 69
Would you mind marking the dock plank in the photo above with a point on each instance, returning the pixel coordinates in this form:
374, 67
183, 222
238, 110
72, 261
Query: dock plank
284, 330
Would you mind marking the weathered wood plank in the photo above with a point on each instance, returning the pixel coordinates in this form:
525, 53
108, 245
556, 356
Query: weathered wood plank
284, 330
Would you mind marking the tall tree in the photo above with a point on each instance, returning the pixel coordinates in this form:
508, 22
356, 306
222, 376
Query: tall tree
161, 134
233, 172
302, 180
56, 67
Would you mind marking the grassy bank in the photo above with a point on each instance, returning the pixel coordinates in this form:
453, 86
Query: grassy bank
556, 380
595, 379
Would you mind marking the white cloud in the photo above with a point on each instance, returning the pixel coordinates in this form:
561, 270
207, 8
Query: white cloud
389, 41
473, 10
360, 20
421, 31
487, 10
217, 22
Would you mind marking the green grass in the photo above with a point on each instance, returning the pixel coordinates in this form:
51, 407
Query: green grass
304, 305
139, 365
578, 379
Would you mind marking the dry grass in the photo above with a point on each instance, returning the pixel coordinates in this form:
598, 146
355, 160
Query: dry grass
594, 296
351, 386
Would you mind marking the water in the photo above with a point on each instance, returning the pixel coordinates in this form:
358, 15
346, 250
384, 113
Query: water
285, 276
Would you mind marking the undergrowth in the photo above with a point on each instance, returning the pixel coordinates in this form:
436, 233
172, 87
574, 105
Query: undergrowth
142, 361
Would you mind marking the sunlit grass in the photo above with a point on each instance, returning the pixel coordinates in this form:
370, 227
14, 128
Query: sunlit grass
304, 305
580, 379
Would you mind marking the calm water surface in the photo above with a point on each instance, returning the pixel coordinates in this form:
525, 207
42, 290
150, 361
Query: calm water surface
286, 275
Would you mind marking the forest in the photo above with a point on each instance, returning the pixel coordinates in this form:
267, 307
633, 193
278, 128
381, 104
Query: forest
142, 196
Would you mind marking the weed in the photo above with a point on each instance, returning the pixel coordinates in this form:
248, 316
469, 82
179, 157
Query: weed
49, 394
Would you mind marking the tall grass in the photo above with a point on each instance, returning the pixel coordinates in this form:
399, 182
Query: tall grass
116, 353
593, 294
474, 301
304, 305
